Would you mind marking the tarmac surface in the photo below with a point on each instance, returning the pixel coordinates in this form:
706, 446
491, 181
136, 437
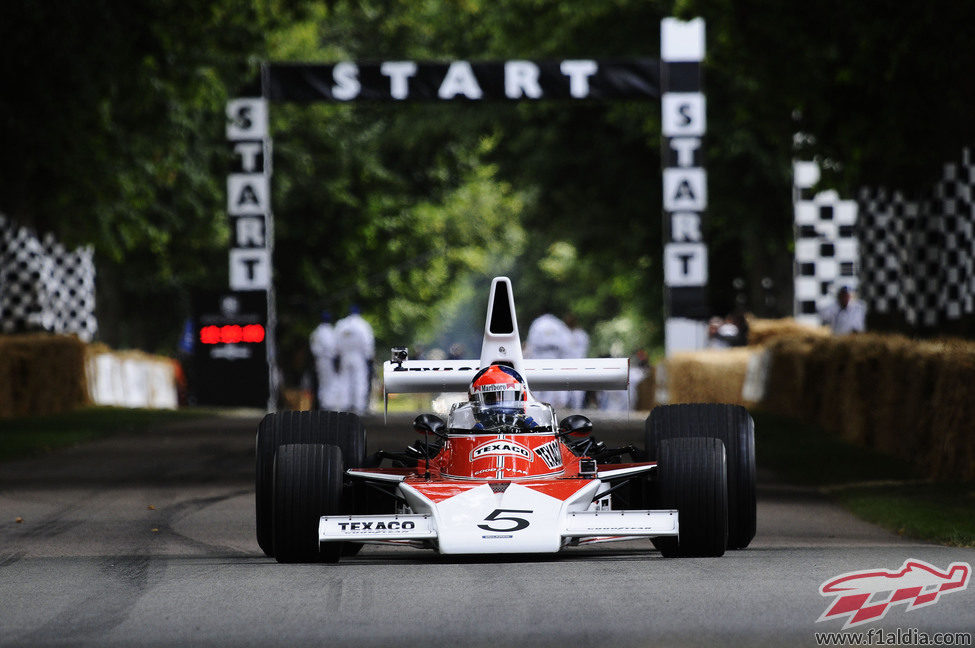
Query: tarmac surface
147, 539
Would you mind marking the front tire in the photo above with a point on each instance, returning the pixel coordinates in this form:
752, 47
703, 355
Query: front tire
307, 485
735, 428
693, 479
342, 429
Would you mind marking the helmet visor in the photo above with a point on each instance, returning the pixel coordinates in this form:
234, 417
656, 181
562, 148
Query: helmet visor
494, 395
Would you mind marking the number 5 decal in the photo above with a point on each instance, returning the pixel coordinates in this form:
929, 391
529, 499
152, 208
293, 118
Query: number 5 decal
496, 516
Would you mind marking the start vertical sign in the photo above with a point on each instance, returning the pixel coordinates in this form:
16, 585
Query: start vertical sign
685, 183
249, 195
251, 234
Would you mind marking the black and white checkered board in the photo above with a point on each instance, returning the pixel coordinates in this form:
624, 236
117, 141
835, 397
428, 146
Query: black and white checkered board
827, 253
918, 256
43, 286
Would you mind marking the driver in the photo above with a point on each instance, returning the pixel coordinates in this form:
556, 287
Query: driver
499, 396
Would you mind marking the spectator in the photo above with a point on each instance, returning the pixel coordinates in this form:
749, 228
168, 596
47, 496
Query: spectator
457, 352
322, 343
549, 338
728, 332
846, 315
718, 331
579, 348
738, 320
621, 400
356, 348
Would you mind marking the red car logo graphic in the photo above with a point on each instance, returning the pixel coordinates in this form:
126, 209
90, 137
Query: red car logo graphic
865, 596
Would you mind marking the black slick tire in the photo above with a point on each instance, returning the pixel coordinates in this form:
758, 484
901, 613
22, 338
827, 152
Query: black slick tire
732, 425
692, 478
342, 429
307, 484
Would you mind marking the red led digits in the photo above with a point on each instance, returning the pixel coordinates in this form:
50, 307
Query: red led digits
232, 334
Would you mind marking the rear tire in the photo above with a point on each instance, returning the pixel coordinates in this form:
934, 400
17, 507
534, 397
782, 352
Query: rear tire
342, 429
732, 425
307, 485
692, 478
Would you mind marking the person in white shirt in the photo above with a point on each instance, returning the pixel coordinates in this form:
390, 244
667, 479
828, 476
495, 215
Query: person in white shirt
549, 338
356, 348
579, 348
322, 342
846, 315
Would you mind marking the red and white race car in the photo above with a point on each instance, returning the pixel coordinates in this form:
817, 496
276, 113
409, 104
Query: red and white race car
501, 475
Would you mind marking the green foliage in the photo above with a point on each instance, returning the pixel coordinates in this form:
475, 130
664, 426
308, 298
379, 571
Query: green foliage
938, 512
876, 88
442, 197
396, 240
113, 135
112, 123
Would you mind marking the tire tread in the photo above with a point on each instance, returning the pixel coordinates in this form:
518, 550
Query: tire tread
694, 481
342, 429
307, 485
735, 427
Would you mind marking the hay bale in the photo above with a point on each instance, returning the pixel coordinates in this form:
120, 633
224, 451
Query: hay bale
766, 331
13, 357
827, 383
906, 398
871, 361
711, 376
646, 391
950, 453
296, 399
41, 374
786, 392
901, 397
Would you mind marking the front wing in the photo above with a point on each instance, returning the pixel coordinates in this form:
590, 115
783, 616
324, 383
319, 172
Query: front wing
528, 517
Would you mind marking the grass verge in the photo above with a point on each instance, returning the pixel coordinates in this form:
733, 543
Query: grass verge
938, 512
24, 437
874, 486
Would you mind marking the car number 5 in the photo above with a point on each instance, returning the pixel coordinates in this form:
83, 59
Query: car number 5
496, 516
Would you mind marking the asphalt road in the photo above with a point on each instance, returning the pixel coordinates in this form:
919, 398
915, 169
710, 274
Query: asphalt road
147, 539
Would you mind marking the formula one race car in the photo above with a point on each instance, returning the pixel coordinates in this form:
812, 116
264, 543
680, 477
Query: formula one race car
501, 475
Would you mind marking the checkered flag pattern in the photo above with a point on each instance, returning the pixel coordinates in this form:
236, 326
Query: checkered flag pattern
827, 251
43, 286
918, 257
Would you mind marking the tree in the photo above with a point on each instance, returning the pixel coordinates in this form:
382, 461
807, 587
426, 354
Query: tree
112, 122
875, 89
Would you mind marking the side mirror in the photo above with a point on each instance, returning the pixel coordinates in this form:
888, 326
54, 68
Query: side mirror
576, 425
430, 423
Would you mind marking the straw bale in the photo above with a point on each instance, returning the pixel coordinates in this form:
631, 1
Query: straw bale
646, 391
786, 393
711, 376
827, 384
296, 399
911, 399
950, 453
764, 331
901, 398
41, 374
